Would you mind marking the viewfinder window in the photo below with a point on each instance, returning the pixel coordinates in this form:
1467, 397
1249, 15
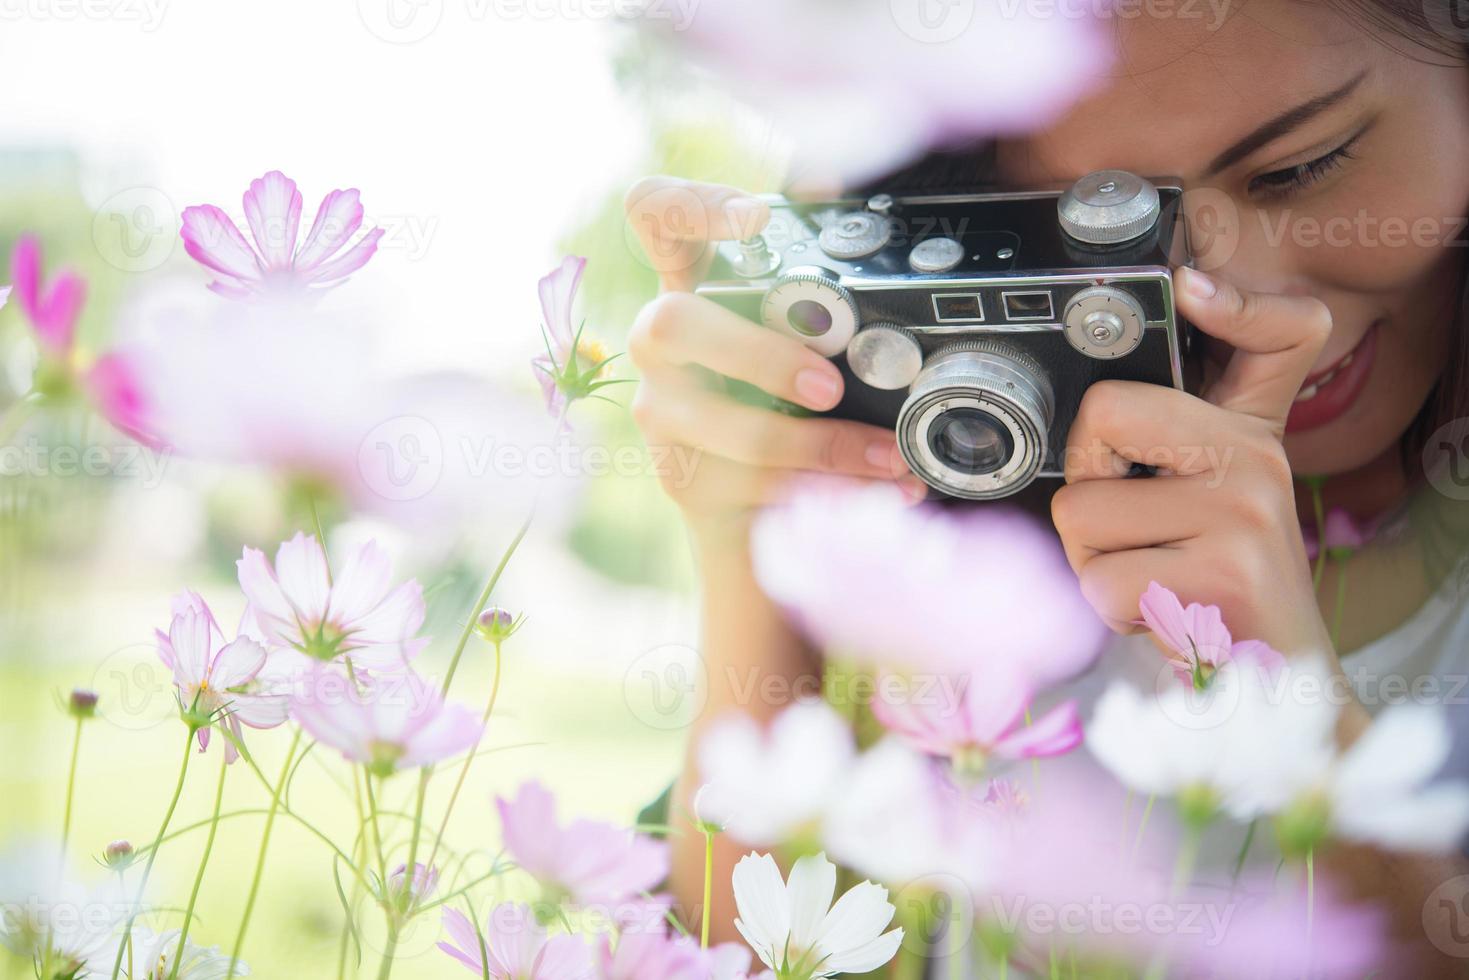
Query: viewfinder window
1028, 306
958, 308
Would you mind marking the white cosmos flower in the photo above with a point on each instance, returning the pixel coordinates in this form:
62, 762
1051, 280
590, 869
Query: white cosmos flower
1379, 790
49, 917
796, 930
1243, 739
765, 788
153, 954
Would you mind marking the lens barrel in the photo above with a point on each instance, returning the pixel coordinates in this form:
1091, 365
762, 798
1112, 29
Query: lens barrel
976, 420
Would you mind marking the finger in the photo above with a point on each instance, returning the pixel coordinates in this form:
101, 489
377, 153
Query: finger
1276, 341
1114, 582
679, 329
1120, 423
1103, 516
688, 415
675, 220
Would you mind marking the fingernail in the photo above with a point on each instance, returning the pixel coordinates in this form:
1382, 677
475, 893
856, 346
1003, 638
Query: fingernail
817, 389
880, 455
1198, 285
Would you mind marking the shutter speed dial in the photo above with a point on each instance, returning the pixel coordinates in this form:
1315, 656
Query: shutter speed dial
1104, 322
810, 304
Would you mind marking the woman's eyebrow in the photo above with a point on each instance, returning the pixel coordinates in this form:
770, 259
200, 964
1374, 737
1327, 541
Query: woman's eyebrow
1282, 124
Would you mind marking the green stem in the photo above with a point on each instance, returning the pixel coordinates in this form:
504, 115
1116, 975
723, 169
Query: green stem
71, 782
1310, 898
275, 801
1319, 506
708, 886
1341, 602
468, 759
153, 851
178, 959
359, 848
390, 949
16, 415
484, 599
1244, 852
1142, 825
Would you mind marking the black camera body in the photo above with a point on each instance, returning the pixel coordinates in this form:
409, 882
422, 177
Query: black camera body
973, 323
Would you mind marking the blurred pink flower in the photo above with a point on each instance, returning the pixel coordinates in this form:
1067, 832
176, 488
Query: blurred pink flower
112, 384
425, 882
925, 588
594, 863
217, 679
1344, 535
52, 308
273, 211
917, 73
397, 721
515, 947
983, 715
1197, 637
657, 955
356, 613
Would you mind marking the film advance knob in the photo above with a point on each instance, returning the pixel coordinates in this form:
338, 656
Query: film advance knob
1108, 207
810, 304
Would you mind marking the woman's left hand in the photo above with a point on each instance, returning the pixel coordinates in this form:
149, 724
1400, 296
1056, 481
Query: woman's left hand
1218, 524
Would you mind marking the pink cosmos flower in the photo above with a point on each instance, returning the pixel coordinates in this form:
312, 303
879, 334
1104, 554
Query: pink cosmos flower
218, 679
1344, 535
425, 882
656, 955
52, 308
573, 365
594, 863
273, 211
112, 384
925, 588
1196, 637
981, 717
918, 73
397, 721
356, 613
515, 947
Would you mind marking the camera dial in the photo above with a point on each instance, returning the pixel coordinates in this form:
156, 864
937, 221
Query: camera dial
856, 235
1104, 322
810, 304
1108, 207
975, 424
886, 356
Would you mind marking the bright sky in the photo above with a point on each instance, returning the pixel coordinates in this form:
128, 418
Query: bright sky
476, 143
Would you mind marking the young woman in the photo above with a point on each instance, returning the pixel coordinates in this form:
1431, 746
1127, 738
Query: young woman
1335, 350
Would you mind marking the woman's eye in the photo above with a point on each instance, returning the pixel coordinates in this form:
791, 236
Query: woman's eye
1291, 180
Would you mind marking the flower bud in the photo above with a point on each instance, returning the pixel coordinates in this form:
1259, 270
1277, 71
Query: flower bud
496, 625
425, 881
119, 855
82, 703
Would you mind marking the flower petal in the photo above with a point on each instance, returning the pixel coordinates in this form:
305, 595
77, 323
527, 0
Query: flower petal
337, 220
273, 209
212, 239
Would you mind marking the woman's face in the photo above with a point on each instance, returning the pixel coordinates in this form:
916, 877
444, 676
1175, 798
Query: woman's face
1319, 160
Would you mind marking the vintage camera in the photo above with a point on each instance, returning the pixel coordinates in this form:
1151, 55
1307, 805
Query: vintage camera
973, 323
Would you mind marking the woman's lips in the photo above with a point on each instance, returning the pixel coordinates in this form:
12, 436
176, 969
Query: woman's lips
1328, 393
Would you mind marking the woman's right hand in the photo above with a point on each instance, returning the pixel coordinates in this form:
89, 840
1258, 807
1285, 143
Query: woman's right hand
683, 344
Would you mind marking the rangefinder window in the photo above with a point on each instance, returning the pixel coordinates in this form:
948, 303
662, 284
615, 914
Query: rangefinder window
1028, 306
958, 308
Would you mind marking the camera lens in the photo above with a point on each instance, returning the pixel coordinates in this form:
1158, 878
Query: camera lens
809, 317
977, 420
971, 441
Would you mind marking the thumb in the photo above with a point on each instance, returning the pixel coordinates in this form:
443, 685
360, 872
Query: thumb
1276, 340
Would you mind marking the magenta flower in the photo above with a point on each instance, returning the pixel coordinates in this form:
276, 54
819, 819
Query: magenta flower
52, 308
425, 882
218, 680
573, 366
982, 717
656, 955
275, 264
591, 862
396, 721
1196, 637
356, 614
113, 386
1344, 535
514, 946
925, 588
